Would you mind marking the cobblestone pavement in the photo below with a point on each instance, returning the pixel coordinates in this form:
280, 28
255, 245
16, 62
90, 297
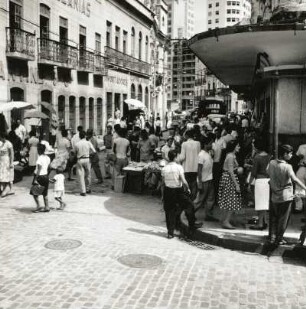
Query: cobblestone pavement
111, 225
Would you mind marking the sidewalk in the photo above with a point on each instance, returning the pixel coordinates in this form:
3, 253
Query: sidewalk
245, 239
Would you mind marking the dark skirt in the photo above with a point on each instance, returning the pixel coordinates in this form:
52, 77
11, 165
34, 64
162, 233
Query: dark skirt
228, 198
42, 180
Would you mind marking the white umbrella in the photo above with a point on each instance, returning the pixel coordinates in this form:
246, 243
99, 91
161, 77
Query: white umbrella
134, 104
8, 106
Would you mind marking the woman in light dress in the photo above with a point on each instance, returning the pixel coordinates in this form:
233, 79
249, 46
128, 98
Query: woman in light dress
33, 154
63, 148
262, 187
6, 166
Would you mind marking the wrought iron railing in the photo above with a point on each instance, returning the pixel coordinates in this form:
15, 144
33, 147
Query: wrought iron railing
100, 64
57, 52
128, 62
86, 60
20, 41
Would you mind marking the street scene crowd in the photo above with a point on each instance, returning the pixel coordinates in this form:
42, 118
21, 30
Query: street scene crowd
196, 163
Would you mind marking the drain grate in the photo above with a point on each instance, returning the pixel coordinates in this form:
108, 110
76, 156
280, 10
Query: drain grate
199, 244
140, 260
63, 244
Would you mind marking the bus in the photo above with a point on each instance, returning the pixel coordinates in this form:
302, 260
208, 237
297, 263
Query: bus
212, 105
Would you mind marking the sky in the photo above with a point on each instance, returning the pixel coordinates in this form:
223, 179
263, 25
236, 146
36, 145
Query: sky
200, 15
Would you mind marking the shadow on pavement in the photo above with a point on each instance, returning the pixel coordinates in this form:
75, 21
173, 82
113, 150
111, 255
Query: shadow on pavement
160, 234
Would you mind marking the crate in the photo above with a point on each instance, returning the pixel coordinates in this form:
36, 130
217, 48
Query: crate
119, 182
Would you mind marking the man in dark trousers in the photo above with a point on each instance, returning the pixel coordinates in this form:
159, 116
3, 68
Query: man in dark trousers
174, 196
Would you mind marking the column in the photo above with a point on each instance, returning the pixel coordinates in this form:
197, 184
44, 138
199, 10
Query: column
95, 125
67, 111
55, 106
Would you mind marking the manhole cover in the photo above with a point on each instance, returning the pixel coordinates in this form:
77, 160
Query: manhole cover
140, 260
63, 244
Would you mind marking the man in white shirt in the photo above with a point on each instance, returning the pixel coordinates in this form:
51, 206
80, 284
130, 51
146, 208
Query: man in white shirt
189, 159
206, 192
83, 149
174, 197
76, 137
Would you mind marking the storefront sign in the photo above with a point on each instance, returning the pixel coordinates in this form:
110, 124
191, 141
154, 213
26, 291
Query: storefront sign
137, 80
81, 6
116, 80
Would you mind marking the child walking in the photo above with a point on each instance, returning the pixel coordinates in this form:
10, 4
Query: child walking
59, 187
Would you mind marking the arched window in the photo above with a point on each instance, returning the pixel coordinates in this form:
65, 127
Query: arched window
72, 122
163, 21
147, 97
82, 111
99, 116
61, 109
46, 96
17, 94
91, 113
140, 46
133, 91
133, 42
147, 49
140, 93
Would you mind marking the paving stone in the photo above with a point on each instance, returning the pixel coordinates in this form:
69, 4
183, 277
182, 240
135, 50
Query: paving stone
112, 225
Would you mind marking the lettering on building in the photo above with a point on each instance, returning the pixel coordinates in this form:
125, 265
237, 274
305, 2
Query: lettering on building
117, 80
81, 6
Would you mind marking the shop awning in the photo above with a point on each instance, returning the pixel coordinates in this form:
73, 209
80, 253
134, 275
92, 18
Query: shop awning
35, 114
8, 106
135, 104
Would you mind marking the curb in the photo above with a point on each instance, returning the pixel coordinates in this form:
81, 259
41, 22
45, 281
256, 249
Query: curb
226, 242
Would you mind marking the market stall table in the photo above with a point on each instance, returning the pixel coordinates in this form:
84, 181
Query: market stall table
134, 182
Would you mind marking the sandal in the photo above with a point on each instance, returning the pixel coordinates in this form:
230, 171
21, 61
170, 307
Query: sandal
37, 210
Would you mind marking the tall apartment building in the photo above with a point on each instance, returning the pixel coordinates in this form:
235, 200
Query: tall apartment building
83, 57
181, 61
224, 13
221, 14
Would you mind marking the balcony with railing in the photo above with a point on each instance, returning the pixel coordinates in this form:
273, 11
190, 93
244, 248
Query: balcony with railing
20, 44
86, 60
100, 67
57, 53
127, 62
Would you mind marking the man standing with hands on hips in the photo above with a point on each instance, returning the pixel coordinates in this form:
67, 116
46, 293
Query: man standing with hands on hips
82, 149
174, 197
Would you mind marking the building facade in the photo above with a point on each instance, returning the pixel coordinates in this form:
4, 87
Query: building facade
224, 13
84, 57
181, 26
221, 14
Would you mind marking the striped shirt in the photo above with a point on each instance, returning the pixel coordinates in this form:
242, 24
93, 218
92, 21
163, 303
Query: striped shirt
172, 174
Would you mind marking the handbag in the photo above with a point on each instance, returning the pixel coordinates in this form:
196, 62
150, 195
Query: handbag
37, 189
